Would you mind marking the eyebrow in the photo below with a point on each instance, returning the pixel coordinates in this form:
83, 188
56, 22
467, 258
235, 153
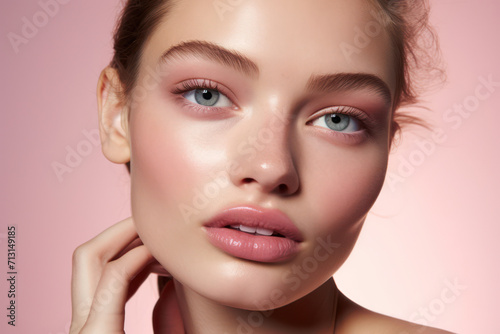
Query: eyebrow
350, 81
213, 52
316, 83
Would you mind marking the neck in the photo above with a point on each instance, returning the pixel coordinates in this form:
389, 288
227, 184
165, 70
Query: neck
313, 313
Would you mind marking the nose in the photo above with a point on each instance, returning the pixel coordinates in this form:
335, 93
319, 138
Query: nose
262, 154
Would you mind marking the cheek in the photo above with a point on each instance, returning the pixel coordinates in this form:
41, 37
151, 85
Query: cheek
339, 195
163, 177
172, 168
157, 173
346, 187
169, 157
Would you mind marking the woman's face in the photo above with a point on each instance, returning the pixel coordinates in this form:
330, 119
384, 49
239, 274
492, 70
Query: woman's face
280, 107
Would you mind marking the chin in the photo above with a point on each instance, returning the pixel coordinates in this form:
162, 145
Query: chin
255, 297
251, 285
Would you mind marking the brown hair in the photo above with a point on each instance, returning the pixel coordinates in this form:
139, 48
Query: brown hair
418, 56
407, 22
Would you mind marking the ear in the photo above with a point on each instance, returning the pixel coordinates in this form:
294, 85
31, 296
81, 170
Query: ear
113, 117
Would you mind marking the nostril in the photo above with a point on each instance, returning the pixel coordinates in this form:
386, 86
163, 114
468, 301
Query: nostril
282, 188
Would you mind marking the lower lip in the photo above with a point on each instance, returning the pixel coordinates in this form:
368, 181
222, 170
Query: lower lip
252, 247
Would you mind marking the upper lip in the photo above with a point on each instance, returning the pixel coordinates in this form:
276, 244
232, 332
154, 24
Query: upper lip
253, 216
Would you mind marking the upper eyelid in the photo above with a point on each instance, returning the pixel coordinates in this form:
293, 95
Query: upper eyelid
198, 83
232, 58
192, 84
360, 115
366, 120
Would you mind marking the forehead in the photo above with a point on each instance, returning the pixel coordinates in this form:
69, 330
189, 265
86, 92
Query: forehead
283, 36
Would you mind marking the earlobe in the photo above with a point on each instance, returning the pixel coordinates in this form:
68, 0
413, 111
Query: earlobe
113, 126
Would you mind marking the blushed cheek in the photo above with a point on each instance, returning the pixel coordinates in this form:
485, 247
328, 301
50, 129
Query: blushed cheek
341, 195
348, 189
161, 173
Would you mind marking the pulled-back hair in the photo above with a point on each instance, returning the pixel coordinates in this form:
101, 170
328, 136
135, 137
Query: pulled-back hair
417, 55
414, 42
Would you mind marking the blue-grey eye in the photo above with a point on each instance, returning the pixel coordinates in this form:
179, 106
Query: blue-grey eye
338, 122
208, 98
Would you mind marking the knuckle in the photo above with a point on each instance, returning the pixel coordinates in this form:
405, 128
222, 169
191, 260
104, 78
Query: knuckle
83, 264
80, 254
85, 254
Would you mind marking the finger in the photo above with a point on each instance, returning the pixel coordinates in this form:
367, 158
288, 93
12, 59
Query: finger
107, 313
122, 234
157, 268
133, 244
153, 267
139, 279
134, 286
166, 314
88, 261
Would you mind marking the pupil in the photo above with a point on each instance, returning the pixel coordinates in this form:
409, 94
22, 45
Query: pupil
207, 95
336, 119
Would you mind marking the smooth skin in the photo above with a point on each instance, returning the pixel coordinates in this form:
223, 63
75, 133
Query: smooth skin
107, 271
115, 264
175, 146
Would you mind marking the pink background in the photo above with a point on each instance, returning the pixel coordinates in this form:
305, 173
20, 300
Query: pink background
438, 225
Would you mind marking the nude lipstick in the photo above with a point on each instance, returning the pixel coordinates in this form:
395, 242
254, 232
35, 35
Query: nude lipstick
256, 234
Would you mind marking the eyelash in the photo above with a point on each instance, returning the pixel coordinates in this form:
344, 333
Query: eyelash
192, 84
364, 121
345, 110
195, 84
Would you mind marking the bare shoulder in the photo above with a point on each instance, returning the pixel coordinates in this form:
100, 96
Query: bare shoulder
355, 319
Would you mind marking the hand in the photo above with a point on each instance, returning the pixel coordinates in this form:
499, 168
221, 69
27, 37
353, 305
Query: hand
107, 271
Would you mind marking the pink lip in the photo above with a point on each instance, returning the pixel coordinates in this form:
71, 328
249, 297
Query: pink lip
250, 246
